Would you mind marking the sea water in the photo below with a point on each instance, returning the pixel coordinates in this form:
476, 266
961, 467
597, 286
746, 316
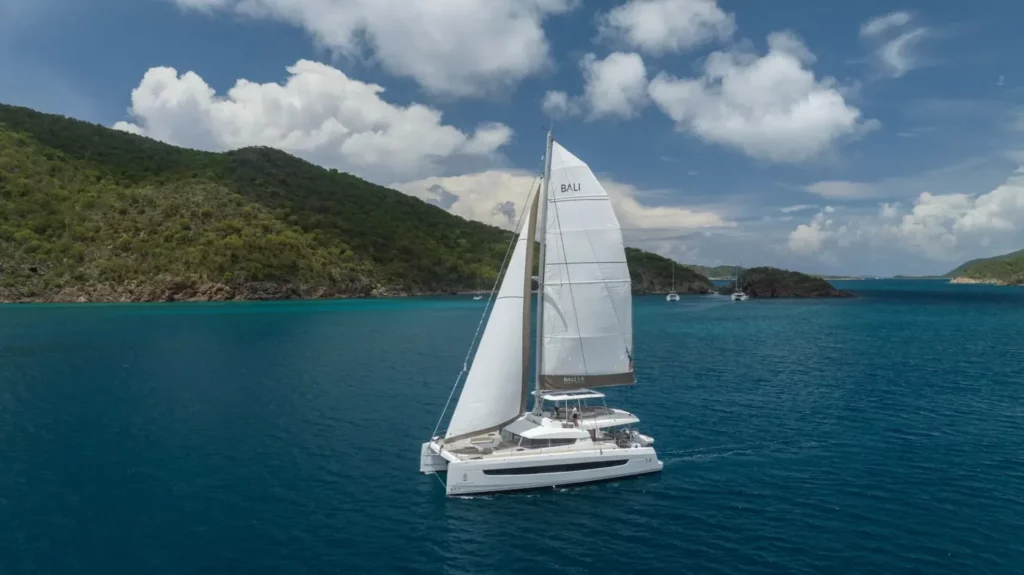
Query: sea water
882, 434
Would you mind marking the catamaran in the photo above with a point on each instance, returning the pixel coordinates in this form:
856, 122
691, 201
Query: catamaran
738, 294
584, 341
672, 295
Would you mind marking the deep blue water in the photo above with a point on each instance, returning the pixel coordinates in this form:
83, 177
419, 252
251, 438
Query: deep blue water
883, 434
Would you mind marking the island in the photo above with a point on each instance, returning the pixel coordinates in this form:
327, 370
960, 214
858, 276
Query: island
91, 214
1005, 270
767, 282
653, 274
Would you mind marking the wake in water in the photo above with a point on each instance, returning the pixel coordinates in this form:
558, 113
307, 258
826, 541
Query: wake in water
779, 446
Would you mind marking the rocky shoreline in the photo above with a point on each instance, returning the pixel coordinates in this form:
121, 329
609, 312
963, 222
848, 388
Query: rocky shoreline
987, 281
186, 291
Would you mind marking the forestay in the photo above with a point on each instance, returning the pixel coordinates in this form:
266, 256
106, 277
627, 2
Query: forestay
494, 393
588, 315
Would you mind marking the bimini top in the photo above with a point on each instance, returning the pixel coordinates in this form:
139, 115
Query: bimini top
550, 430
571, 395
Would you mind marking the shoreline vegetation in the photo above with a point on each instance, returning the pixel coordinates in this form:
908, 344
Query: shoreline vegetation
767, 282
91, 214
1002, 270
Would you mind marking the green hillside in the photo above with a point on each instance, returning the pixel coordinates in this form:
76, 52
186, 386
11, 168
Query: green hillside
93, 214
716, 271
767, 282
651, 273
1004, 269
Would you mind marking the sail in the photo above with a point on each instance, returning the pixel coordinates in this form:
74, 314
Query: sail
588, 314
495, 390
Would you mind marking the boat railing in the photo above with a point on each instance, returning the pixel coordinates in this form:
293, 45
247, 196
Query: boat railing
565, 415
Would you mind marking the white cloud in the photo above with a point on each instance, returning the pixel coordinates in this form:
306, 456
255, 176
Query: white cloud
477, 196
809, 238
881, 24
889, 211
457, 48
895, 42
943, 227
898, 55
319, 113
557, 104
615, 86
771, 107
661, 26
797, 208
843, 190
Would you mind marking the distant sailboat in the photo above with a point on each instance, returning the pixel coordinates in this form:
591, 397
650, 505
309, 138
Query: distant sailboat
737, 294
478, 296
672, 295
584, 340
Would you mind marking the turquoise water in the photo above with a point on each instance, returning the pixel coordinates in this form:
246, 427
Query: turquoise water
883, 434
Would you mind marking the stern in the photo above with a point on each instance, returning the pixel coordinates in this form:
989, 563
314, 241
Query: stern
430, 461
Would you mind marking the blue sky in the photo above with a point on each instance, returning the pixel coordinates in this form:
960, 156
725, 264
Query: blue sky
841, 137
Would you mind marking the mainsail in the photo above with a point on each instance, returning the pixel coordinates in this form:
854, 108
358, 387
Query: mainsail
587, 338
494, 393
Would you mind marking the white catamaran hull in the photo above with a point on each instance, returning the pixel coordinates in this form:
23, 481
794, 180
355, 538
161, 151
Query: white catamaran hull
492, 475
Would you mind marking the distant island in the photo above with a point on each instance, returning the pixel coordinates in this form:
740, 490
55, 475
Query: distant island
1007, 269
767, 282
93, 214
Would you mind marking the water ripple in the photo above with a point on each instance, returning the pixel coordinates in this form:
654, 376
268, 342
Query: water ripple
876, 435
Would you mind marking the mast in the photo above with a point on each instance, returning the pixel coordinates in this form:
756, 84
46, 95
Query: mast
542, 226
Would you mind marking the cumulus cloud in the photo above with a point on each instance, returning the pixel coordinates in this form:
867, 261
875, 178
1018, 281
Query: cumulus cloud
771, 107
480, 194
615, 86
462, 48
945, 227
662, 26
557, 104
810, 237
895, 42
319, 113
442, 198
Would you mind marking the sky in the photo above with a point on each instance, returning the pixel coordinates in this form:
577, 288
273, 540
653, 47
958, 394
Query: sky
869, 138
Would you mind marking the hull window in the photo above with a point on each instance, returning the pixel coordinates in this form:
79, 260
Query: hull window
556, 468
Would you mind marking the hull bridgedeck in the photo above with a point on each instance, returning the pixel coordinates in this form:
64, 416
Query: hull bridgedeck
535, 468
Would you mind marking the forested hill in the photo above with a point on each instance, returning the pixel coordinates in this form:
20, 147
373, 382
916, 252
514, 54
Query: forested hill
93, 214
651, 273
767, 282
716, 272
1007, 269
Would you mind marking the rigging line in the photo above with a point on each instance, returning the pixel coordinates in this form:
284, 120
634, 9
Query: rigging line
438, 476
483, 316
